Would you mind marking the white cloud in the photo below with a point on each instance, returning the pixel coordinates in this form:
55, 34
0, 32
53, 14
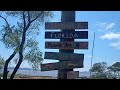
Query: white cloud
110, 36
116, 45
101, 24
110, 26
104, 26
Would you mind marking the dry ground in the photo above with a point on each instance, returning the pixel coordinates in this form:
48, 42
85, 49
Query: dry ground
34, 77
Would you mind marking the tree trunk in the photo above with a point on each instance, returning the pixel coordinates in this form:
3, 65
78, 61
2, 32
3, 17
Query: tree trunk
16, 68
25, 28
20, 55
5, 72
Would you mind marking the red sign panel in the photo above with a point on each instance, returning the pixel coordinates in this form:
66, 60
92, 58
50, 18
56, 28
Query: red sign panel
66, 45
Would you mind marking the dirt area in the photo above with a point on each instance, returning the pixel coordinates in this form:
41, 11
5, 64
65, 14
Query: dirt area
35, 77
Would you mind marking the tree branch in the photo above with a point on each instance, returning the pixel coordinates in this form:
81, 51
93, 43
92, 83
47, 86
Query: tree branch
7, 24
37, 17
31, 22
20, 55
34, 19
5, 72
5, 21
21, 47
28, 16
24, 19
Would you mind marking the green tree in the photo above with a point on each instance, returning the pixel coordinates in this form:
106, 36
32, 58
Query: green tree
115, 68
1, 62
18, 37
99, 70
34, 57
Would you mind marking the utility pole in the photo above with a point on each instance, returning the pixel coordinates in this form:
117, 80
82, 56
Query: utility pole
92, 53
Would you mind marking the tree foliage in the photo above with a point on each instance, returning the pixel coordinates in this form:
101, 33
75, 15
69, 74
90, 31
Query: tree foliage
12, 34
99, 70
18, 36
34, 57
115, 68
99, 67
1, 62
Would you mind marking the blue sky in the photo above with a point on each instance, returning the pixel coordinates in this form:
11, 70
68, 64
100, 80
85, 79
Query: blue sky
105, 24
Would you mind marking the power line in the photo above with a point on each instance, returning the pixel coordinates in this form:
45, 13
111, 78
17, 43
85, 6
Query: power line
92, 52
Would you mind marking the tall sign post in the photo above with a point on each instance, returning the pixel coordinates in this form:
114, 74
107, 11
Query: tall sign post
68, 60
66, 16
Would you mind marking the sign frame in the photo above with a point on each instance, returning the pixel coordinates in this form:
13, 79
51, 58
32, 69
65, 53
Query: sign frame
62, 65
66, 45
63, 56
66, 34
66, 25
